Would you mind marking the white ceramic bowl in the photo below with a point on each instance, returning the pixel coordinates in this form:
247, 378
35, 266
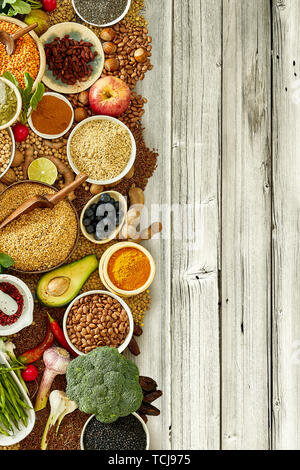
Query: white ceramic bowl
129, 164
107, 24
20, 434
134, 414
54, 136
117, 196
19, 103
95, 292
27, 314
13, 149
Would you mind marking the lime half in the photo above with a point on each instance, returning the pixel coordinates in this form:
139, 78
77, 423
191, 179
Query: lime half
42, 170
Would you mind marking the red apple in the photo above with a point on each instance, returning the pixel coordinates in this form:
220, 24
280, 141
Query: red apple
109, 96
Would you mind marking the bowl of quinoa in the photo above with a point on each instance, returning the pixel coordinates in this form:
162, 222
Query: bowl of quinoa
29, 55
42, 239
103, 148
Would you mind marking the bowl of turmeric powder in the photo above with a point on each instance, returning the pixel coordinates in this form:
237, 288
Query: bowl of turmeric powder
127, 269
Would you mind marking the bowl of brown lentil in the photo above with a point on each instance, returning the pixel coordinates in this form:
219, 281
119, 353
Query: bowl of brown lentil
97, 318
7, 150
29, 55
102, 13
103, 148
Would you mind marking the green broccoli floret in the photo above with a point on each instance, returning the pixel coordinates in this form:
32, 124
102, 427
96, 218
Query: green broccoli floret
104, 383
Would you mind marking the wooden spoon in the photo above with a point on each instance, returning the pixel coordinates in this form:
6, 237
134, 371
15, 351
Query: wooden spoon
9, 40
45, 201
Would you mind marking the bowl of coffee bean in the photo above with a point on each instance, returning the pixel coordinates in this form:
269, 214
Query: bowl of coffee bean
98, 318
103, 217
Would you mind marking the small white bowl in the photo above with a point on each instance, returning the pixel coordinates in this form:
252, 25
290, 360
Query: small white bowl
20, 434
19, 103
26, 317
129, 164
13, 149
98, 292
54, 136
117, 196
134, 414
107, 24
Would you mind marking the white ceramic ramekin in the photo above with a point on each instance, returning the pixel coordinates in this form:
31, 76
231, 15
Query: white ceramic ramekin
107, 24
19, 103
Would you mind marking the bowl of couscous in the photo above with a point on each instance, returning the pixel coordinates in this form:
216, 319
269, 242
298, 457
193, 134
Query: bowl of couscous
29, 55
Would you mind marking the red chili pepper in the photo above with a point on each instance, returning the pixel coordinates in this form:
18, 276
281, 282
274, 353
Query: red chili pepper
59, 335
36, 353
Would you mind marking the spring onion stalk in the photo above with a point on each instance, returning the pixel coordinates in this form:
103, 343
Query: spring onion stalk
7, 347
56, 361
60, 405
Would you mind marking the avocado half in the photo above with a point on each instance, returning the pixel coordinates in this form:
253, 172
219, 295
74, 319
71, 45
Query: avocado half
71, 276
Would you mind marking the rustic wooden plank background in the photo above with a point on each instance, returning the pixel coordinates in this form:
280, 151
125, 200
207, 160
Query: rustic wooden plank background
223, 335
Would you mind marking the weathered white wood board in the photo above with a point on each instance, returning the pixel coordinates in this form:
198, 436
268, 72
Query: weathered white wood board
286, 225
195, 224
225, 349
246, 224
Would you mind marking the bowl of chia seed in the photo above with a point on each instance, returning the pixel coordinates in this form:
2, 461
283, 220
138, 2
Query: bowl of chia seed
127, 433
101, 13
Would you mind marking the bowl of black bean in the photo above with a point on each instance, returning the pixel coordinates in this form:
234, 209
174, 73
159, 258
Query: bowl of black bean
103, 217
127, 433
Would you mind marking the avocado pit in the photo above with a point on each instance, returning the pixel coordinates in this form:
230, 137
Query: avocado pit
58, 286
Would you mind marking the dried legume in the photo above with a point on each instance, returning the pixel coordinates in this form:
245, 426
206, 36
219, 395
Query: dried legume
26, 57
5, 150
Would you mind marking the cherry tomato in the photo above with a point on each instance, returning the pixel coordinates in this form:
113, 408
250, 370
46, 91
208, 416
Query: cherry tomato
20, 132
49, 5
30, 373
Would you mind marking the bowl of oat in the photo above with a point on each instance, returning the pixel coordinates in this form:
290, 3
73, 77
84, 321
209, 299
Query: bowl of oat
42, 239
7, 150
103, 148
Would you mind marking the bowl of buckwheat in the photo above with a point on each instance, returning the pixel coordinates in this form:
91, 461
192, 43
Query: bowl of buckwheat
7, 150
95, 319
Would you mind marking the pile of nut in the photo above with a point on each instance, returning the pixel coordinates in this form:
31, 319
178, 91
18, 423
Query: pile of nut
127, 51
97, 320
5, 150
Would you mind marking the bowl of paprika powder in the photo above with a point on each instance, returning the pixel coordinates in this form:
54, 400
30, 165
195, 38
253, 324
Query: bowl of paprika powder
53, 117
18, 290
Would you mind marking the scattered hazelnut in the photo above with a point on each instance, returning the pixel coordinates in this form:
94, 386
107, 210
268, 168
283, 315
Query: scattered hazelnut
83, 97
80, 114
96, 189
107, 34
111, 65
140, 55
109, 48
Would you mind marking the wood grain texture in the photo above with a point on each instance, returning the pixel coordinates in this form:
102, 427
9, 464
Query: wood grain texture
246, 225
155, 345
286, 223
194, 183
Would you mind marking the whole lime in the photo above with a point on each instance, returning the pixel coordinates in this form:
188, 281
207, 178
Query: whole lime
41, 18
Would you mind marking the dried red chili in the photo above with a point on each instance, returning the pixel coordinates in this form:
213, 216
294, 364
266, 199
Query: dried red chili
11, 290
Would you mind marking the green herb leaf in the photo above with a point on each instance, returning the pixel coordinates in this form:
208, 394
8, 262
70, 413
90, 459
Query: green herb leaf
6, 261
37, 96
9, 76
28, 83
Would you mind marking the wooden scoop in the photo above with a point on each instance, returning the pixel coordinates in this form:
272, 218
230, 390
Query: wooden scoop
45, 201
9, 40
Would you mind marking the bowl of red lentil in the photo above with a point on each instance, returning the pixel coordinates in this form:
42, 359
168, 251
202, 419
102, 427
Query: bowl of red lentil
29, 55
98, 318
20, 292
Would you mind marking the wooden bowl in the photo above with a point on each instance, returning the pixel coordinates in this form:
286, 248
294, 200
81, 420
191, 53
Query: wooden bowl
38, 43
77, 235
